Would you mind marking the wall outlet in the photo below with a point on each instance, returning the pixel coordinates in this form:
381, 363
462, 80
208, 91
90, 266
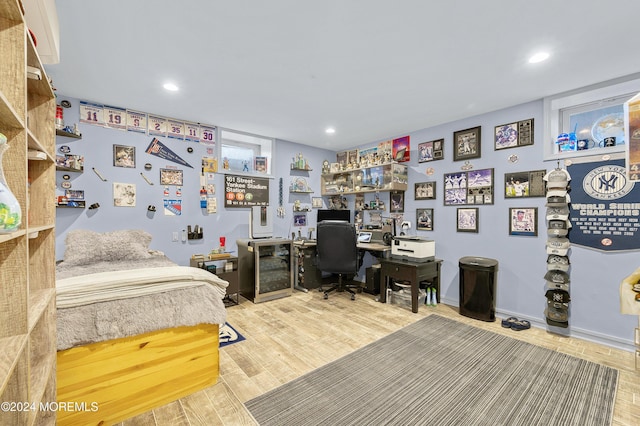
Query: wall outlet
174, 237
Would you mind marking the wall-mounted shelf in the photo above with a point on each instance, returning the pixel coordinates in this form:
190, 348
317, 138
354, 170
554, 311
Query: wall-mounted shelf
72, 205
69, 169
67, 134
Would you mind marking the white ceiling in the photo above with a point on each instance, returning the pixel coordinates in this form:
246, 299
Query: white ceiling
373, 69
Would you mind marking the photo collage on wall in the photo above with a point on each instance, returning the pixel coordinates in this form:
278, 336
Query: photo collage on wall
469, 187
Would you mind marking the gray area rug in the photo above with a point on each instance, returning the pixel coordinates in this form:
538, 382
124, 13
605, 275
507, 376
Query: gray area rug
438, 371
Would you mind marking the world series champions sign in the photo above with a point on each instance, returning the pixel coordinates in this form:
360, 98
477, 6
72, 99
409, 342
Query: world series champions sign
605, 206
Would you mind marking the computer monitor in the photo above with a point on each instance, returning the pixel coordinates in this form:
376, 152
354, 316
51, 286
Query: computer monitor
344, 215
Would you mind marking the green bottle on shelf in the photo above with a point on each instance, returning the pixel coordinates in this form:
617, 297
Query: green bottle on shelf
10, 213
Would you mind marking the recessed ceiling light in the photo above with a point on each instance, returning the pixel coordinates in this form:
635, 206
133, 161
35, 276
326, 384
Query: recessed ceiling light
171, 87
538, 57
330, 130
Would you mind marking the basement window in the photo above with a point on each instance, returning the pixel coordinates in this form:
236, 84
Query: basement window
245, 153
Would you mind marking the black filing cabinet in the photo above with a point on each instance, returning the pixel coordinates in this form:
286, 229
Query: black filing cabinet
478, 287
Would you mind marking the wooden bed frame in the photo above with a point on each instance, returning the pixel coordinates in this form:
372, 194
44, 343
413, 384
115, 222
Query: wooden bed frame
111, 381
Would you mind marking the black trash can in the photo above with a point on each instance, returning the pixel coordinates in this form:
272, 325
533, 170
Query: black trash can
478, 287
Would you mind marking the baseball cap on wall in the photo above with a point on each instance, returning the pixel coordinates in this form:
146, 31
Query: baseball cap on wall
561, 213
556, 276
557, 178
556, 193
559, 246
559, 263
558, 295
557, 314
558, 200
557, 286
558, 228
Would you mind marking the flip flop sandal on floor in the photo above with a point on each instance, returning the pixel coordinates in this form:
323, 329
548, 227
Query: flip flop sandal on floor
521, 325
507, 323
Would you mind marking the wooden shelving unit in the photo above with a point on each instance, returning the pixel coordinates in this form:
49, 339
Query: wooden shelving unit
377, 178
27, 256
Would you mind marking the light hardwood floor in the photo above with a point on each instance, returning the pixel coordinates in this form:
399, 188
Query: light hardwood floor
289, 337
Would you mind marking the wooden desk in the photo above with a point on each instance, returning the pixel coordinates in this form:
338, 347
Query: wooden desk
414, 272
376, 249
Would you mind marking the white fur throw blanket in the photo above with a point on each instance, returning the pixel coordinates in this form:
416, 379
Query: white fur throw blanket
109, 305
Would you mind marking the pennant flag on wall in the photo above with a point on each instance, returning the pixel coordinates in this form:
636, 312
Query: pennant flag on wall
159, 149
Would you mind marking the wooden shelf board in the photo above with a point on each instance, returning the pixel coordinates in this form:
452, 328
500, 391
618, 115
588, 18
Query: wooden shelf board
12, 235
38, 228
11, 11
38, 302
34, 143
40, 87
9, 119
11, 349
39, 379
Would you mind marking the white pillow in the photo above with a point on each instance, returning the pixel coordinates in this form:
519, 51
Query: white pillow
84, 247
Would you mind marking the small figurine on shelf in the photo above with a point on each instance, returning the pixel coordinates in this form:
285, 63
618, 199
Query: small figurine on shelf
300, 163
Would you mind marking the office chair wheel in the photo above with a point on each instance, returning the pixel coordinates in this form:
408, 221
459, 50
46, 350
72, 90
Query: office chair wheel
353, 297
326, 296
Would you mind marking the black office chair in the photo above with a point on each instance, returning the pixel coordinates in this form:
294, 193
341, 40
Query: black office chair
337, 253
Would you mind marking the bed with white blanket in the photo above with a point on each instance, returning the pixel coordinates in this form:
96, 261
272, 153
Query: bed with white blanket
135, 330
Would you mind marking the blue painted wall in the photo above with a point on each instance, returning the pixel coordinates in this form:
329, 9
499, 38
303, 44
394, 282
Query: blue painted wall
595, 276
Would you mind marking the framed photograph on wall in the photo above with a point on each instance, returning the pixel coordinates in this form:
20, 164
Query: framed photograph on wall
396, 204
300, 219
467, 219
352, 158
524, 184
430, 151
523, 221
470, 187
316, 202
124, 156
424, 219
171, 177
342, 159
512, 135
466, 144
425, 191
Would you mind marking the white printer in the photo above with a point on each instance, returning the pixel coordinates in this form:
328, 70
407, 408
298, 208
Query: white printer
412, 248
